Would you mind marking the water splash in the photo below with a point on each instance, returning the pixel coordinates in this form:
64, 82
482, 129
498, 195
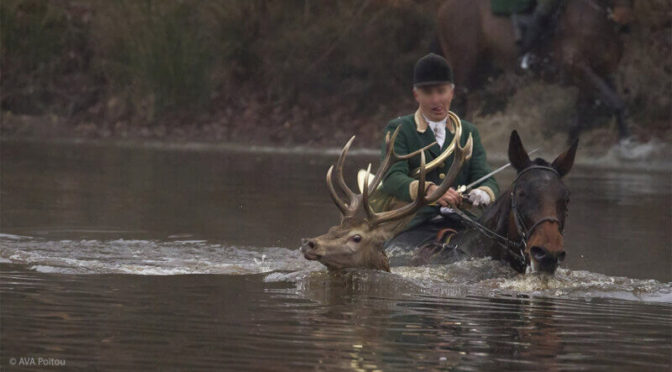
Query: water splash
485, 277
569, 283
480, 277
148, 257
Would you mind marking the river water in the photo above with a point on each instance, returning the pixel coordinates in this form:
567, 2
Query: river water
117, 257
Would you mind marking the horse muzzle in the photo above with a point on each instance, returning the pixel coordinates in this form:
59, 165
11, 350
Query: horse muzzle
544, 260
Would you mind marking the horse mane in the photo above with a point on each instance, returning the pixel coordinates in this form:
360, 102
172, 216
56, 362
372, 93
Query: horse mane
539, 161
495, 214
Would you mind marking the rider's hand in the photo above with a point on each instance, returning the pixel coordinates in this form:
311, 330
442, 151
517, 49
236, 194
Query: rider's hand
479, 197
450, 198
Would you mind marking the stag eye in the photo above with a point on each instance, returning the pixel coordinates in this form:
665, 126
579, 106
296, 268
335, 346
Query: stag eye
356, 238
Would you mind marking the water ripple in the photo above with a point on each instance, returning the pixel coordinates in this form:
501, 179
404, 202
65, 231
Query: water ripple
482, 277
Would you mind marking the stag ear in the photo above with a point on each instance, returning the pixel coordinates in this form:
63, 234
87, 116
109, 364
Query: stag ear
563, 163
517, 154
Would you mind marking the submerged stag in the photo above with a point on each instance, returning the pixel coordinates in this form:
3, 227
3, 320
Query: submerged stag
357, 242
524, 227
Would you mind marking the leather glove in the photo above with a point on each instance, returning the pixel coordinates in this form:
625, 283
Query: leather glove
479, 197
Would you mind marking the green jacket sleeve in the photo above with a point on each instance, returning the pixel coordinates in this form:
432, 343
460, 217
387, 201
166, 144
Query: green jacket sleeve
478, 165
397, 181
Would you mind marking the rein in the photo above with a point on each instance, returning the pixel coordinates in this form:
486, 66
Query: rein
522, 230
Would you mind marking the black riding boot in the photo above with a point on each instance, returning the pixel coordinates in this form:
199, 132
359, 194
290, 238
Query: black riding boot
534, 27
533, 30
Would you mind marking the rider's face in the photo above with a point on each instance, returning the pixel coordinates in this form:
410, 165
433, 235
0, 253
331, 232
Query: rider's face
434, 100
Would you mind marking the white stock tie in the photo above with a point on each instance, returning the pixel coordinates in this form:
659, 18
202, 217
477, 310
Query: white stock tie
439, 129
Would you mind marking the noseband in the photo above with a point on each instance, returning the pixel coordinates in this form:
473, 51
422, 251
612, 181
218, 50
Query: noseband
522, 230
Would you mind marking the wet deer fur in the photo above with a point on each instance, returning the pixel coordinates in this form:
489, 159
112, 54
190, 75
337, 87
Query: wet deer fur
358, 240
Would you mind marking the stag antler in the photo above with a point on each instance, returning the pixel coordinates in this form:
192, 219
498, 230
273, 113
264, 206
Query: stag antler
343, 206
421, 200
391, 157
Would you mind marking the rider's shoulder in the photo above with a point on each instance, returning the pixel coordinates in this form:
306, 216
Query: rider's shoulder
466, 124
405, 122
468, 127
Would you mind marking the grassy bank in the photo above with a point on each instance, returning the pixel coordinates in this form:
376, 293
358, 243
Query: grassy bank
307, 72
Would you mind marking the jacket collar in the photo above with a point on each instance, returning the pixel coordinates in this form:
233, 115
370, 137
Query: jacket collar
421, 124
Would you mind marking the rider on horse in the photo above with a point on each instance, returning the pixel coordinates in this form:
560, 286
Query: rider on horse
433, 89
532, 21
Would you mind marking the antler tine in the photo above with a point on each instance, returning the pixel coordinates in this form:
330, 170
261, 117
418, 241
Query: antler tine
387, 160
412, 154
334, 195
392, 157
461, 153
370, 214
406, 210
339, 172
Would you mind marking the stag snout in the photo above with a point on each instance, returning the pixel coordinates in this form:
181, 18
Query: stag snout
308, 248
545, 260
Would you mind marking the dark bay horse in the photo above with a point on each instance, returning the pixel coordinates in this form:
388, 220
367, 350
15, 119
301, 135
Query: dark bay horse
585, 46
528, 218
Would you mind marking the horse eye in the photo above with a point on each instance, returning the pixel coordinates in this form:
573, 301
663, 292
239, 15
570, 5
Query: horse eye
356, 238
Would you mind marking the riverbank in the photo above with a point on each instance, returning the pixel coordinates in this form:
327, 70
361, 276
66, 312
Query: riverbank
540, 112
256, 73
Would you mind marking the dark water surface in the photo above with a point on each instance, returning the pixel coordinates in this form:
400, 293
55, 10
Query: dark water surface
122, 258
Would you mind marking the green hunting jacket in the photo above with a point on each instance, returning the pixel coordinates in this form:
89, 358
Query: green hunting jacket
413, 135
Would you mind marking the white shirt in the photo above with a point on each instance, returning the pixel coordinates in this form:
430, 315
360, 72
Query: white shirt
439, 129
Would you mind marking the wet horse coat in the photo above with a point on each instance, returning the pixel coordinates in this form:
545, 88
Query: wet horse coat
530, 215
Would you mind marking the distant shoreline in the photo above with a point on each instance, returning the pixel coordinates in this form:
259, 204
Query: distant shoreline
495, 158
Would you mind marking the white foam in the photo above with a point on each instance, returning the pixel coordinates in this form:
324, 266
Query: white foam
13, 237
149, 257
47, 269
468, 277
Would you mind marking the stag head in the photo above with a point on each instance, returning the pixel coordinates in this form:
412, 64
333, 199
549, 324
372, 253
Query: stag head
357, 242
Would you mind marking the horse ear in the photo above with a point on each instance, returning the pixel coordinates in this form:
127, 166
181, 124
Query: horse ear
563, 163
517, 154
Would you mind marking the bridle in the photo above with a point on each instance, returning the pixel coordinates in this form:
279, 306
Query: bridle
513, 247
522, 230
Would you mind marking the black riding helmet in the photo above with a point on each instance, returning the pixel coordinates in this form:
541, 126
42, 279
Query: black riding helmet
432, 69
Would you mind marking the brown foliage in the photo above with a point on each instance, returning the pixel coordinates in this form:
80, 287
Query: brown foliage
291, 71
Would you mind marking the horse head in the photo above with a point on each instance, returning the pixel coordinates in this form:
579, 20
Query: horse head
357, 242
539, 201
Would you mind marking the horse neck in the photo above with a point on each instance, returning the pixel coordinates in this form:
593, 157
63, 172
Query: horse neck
497, 215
